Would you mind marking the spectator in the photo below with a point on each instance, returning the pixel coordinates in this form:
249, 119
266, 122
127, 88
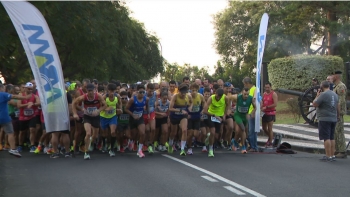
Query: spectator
327, 111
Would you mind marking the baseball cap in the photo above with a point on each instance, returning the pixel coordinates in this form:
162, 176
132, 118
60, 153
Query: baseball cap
90, 86
67, 84
227, 84
28, 85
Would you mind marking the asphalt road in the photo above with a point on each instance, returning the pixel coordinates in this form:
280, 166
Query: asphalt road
228, 174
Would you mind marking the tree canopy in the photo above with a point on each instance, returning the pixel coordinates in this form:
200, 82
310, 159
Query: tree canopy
93, 39
294, 28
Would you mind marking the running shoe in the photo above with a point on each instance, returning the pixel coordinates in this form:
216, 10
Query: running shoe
72, 148
144, 148
50, 151
6, 147
204, 149
150, 150
38, 150
325, 158
15, 153
206, 142
222, 144
111, 153
104, 148
91, 147
183, 153
211, 153
55, 155
160, 147
131, 146
67, 154
170, 148
19, 149
229, 148
45, 149
140, 154
235, 145
32, 149
333, 158
121, 150
86, 156
155, 144
189, 151
164, 149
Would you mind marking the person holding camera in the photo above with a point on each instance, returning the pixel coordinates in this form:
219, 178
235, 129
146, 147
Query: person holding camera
327, 111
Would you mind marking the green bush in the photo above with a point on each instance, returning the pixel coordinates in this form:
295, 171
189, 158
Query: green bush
296, 72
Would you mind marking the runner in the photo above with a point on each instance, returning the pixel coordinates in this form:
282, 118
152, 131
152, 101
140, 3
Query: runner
27, 117
149, 117
108, 117
268, 107
79, 125
135, 108
229, 123
162, 114
205, 122
243, 102
172, 88
5, 119
194, 116
123, 127
180, 105
216, 107
93, 105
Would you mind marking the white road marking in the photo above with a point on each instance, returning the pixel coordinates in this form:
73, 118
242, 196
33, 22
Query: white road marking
308, 129
236, 191
254, 193
209, 179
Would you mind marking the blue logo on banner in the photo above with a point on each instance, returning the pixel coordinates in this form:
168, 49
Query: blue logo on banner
261, 39
44, 61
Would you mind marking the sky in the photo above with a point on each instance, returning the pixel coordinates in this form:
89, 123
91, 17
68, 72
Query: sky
184, 28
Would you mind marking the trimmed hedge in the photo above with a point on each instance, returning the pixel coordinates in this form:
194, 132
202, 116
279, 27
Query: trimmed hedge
296, 72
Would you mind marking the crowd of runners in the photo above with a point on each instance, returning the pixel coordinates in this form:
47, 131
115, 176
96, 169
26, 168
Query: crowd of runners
143, 117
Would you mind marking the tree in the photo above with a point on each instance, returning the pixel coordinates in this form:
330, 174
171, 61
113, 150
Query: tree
293, 28
93, 39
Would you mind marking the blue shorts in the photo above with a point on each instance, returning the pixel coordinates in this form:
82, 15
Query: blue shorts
105, 122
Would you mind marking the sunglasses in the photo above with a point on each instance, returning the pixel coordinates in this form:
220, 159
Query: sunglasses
124, 98
29, 88
142, 92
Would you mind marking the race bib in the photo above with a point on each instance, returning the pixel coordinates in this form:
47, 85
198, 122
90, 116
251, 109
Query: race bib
214, 119
124, 117
178, 112
204, 116
110, 112
242, 109
195, 108
163, 109
28, 112
16, 114
90, 110
138, 114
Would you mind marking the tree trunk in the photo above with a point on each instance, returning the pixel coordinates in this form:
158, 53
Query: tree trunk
332, 35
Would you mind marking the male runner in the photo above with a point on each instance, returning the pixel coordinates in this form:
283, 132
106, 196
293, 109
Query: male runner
27, 116
204, 124
194, 116
108, 117
123, 127
149, 116
216, 107
135, 108
268, 107
93, 105
243, 102
180, 105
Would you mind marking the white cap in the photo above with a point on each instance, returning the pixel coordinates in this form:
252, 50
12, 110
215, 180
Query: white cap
28, 85
138, 82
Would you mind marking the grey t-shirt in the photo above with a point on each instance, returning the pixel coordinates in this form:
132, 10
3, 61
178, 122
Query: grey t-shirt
327, 109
